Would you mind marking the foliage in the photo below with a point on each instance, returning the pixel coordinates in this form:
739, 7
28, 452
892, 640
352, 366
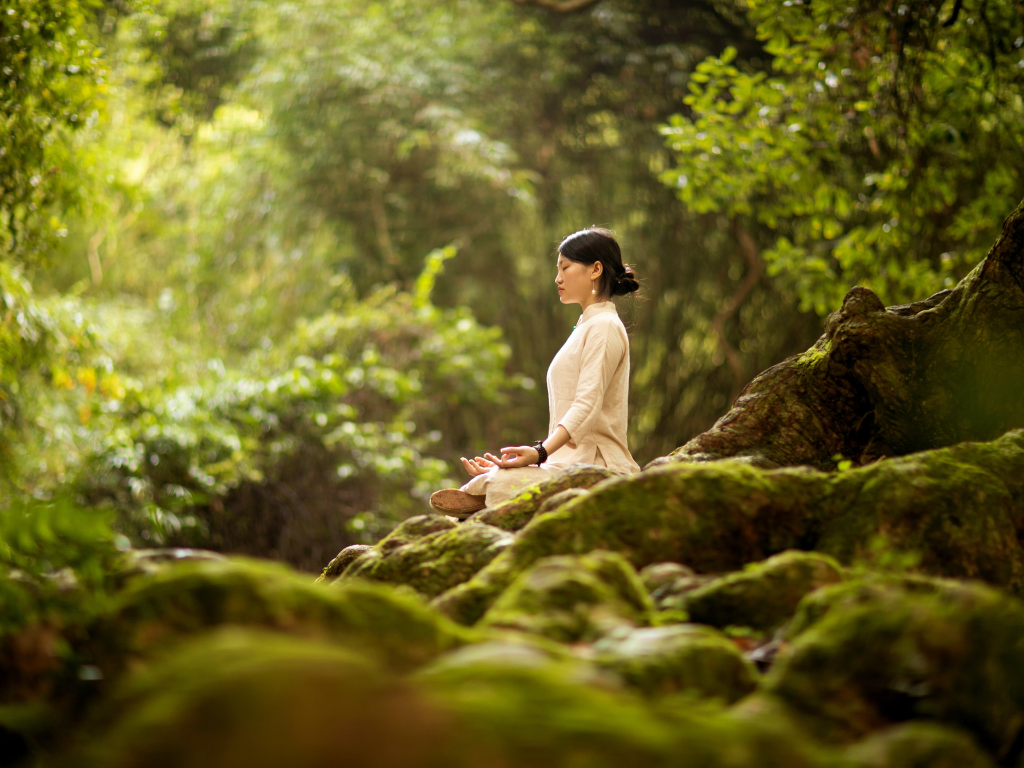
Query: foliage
44, 344
368, 387
883, 148
57, 561
51, 84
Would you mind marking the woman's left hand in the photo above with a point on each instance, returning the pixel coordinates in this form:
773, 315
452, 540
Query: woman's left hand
516, 456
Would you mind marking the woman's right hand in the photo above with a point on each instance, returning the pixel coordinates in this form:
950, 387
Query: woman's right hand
477, 466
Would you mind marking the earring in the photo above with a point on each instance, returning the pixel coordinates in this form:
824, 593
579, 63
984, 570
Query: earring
592, 290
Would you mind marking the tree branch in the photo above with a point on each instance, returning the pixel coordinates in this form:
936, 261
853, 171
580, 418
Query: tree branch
380, 220
750, 253
954, 15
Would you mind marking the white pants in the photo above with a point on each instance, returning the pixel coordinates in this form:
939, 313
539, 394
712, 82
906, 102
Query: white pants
500, 485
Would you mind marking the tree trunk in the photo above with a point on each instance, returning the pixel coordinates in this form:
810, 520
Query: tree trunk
890, 381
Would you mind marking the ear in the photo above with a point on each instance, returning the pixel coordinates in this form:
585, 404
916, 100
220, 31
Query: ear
596, 270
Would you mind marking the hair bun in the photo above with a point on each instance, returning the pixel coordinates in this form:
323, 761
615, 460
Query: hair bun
625, 283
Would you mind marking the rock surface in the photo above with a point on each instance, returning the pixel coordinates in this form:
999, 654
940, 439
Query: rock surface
679, 658
918, 745
763, 595
436, 561
573, 598
882, 652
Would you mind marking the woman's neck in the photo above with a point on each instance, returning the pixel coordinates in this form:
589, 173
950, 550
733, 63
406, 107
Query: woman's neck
590, 301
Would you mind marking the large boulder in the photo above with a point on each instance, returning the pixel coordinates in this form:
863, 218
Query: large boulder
763, 595
679, 658
573, 599
889, 650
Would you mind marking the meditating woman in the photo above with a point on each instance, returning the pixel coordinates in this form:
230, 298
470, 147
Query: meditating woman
588, 384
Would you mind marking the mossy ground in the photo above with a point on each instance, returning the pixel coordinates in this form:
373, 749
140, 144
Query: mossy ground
577, 658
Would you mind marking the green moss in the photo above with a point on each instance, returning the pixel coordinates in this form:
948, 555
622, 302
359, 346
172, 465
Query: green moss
763, 595
243, 698
892, 652
683, 657
706, 516
437, 561
958, 508
515, 513
918, 745
414, 528
866, 590
573, 598
660, 575
183, 600
531, 711
344, 559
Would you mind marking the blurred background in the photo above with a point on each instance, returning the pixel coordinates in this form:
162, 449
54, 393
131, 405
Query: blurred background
269, 268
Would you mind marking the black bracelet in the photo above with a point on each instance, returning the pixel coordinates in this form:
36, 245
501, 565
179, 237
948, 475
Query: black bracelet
542, 452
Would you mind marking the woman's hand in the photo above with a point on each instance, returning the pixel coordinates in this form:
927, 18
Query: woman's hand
515, 456
477, 466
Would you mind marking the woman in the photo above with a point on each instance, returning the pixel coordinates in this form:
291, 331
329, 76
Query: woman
588, 384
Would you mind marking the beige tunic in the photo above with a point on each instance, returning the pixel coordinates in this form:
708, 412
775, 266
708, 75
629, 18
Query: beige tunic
588, 393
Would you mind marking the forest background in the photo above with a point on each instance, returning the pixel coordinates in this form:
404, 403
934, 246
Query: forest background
268, 268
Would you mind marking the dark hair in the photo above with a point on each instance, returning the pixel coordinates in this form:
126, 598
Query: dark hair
597, 244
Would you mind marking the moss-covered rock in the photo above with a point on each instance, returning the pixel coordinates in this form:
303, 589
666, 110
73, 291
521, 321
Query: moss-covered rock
918, 745
434, 562
886, 653
658, 575
536, 711
190, 598
414, 528
763, 595
515, 513
239, 698
343, 560
680, 657
959, 508
573, 598
869, 589
408, 531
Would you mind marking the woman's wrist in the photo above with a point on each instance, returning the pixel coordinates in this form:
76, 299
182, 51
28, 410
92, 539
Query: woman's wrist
542, 452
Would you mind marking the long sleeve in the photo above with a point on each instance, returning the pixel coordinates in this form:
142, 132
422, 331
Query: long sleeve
602, 353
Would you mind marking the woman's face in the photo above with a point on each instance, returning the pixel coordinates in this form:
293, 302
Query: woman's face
575, 281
